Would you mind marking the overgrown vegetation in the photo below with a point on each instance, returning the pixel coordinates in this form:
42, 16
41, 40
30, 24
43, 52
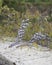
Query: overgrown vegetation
9, 22
12, 12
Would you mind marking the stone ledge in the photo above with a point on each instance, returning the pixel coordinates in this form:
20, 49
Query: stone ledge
23, 56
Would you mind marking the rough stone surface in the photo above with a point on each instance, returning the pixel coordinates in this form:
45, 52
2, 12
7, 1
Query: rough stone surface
24, 55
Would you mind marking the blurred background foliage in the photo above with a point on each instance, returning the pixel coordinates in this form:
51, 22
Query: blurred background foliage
12, 12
